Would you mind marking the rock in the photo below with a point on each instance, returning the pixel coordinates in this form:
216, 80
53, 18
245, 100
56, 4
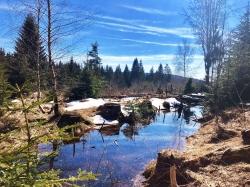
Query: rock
166, 105
234, 155
246, 136
6, 127
110, 111
204, 119
222, 134
72, 118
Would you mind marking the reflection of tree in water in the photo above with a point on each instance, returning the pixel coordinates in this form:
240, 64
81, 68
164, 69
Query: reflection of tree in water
187, 113
130, 131
184, 118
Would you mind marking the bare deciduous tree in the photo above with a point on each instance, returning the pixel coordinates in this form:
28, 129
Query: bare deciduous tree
184, 57
207, 18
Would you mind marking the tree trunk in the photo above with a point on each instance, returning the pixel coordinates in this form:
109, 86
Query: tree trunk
207, 70
51, 62
38, 51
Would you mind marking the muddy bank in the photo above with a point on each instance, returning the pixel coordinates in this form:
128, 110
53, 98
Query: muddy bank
215, 156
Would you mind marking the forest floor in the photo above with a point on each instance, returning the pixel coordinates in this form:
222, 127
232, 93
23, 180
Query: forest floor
214, 156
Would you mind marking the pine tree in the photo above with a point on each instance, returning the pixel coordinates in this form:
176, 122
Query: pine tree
118, 76
135, 71
93, 59
141, 71
109, 73
168, 73
160, 74
28, 46
189, 86
151, 75
238, 67
126, 76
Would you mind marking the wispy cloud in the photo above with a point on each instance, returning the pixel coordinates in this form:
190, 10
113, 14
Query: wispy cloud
151, 42
150, 10
125, 25
183, 32
11, 7
5, 7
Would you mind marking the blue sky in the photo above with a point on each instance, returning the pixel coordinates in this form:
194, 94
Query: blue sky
148, 29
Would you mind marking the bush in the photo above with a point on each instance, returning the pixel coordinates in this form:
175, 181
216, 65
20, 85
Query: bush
189, 86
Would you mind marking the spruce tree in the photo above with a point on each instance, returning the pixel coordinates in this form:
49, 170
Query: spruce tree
141, 71
109, 73
237, 70
168, 73
151, 74
93, 59
189, 86
135, 71
118, 76
28, 46
126, 76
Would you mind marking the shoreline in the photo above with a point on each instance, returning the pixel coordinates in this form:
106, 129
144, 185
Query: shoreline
214, 156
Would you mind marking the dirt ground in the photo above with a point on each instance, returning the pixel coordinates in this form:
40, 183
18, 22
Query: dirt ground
215, 156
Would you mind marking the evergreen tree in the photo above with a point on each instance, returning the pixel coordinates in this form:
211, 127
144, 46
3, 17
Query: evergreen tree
151, 75
235, 82
135, 71
27, 48
93, 60
168, 73
2, 56
126, 76
159, 74
118, 77
109, 73
141, 71
189, 86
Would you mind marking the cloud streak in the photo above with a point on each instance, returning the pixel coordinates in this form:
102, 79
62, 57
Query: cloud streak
150, 10
152, 42
7, 7
183, 32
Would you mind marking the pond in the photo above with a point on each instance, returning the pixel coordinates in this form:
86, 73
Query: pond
118, 156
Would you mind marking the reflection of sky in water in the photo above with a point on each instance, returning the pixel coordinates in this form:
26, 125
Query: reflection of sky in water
120, 157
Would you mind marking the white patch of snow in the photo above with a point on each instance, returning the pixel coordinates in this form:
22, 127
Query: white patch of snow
172, 101
99, 120
127, 99
198, 94
125, 111
156, 102
16, 101
88, 103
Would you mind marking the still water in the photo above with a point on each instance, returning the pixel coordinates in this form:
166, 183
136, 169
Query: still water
119, 155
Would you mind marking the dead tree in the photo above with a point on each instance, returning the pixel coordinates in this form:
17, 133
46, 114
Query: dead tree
50, 61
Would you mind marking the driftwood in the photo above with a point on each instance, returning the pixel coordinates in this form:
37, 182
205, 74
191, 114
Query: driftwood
173, 181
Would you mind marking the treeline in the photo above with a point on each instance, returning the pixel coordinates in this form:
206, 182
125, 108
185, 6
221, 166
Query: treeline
93, 78
29, 64
233, 84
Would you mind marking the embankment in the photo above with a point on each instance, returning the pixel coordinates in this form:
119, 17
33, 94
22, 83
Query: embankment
215, 156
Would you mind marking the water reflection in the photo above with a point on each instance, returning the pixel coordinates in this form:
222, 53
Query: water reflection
121, 153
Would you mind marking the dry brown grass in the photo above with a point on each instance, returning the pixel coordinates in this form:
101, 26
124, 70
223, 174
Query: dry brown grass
222, 163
